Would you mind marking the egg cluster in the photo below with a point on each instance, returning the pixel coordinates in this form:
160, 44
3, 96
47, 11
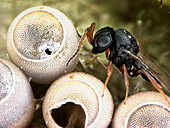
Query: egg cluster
43, 45
40, 42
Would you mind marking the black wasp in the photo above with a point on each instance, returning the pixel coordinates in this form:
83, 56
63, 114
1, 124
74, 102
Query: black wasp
122, 50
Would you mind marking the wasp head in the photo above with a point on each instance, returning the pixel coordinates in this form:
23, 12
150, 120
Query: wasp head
103, 39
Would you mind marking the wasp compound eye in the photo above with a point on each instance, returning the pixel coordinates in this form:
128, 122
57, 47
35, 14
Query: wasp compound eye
75, 100
144, 109
103, 39
17, 102
40, 41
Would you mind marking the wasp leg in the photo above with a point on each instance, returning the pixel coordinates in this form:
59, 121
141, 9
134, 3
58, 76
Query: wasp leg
107, 53
109, 73
156, 85
90, 55
92, 60
124, 71
136, 73
152, 80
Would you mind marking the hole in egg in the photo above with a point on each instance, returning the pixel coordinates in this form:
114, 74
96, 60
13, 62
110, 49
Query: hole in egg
69, 115
47, 51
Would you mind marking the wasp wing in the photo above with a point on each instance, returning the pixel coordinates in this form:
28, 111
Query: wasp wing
162, 77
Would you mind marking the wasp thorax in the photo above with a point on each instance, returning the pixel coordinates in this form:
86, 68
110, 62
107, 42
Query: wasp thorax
42, 40
125, 40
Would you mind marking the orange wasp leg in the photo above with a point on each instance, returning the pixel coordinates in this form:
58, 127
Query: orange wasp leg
107, 53
92, 60
124, 71
109, 73
156, 85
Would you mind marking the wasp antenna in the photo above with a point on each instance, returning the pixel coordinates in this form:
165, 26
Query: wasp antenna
79, 47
